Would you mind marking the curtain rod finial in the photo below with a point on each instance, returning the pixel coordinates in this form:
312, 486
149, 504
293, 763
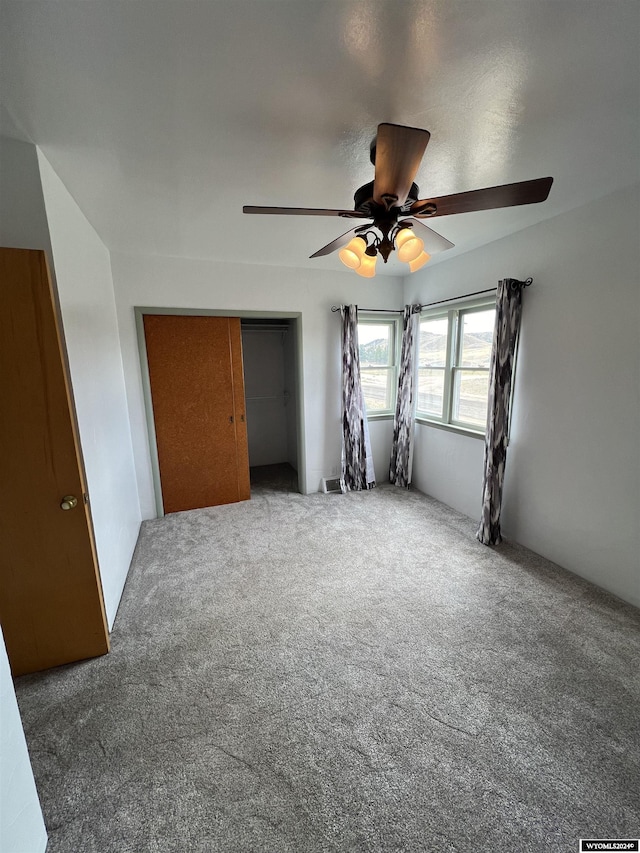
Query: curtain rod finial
516, 284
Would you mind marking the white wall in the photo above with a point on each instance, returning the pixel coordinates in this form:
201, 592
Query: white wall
22, 828
572, 484
291, 387
23, 219
87, 306
449, 467
381, 433
198, 284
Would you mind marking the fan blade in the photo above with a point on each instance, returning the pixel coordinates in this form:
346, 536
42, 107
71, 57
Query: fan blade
433, 242
338, 243
303, 211
399, 152
507, 195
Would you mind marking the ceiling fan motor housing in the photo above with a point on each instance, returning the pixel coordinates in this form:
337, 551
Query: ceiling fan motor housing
363, 200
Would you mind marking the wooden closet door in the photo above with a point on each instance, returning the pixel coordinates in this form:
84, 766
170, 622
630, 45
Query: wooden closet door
197, 391
51, 606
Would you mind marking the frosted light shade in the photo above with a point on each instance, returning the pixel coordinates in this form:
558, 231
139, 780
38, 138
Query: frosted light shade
367, 268
408, 245
351, 255
420, 261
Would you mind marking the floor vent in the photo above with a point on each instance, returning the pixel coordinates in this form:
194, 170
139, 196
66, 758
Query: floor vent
331, 485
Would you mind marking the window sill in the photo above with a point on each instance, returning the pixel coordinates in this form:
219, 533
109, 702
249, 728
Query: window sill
471, 433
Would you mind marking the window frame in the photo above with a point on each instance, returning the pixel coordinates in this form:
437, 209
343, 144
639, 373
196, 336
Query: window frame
454, 313
393, 323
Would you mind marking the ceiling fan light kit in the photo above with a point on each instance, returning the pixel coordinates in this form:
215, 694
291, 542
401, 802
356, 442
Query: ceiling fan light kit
351, 255
396, 154
408, 246
419, 262
367, 266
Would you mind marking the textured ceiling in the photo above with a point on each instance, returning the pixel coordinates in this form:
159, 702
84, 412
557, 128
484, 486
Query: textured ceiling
164, 118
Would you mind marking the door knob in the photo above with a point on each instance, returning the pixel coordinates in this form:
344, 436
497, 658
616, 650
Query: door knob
69, 502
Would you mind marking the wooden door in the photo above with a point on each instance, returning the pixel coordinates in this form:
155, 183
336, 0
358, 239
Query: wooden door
197, 391
51, 606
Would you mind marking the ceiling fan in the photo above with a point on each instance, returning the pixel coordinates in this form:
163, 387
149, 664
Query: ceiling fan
392, 201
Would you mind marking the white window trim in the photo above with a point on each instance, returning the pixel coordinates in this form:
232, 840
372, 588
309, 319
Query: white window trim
393, 320
452, 312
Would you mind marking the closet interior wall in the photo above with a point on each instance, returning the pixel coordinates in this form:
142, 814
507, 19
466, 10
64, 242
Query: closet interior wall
269, 354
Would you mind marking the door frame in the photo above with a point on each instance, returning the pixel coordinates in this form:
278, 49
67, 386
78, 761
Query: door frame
295, 316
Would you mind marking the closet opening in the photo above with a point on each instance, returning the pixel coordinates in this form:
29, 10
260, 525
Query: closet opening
197, 405
269, 348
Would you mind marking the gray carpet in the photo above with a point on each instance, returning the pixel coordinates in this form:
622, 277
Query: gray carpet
297, 674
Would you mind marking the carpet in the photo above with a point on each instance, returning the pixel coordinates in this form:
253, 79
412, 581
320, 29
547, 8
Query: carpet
301, 674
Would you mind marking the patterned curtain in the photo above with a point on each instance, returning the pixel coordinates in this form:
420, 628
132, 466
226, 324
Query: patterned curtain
357, 462
505, 335
403, 424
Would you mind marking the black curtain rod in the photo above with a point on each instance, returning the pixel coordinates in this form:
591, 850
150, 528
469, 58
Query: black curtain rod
335, 308
514, 281
454, 298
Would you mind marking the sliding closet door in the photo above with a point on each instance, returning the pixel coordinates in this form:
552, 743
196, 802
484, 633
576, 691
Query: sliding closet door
197, 391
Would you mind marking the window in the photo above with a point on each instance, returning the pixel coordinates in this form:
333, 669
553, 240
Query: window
453, 368
378, 341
